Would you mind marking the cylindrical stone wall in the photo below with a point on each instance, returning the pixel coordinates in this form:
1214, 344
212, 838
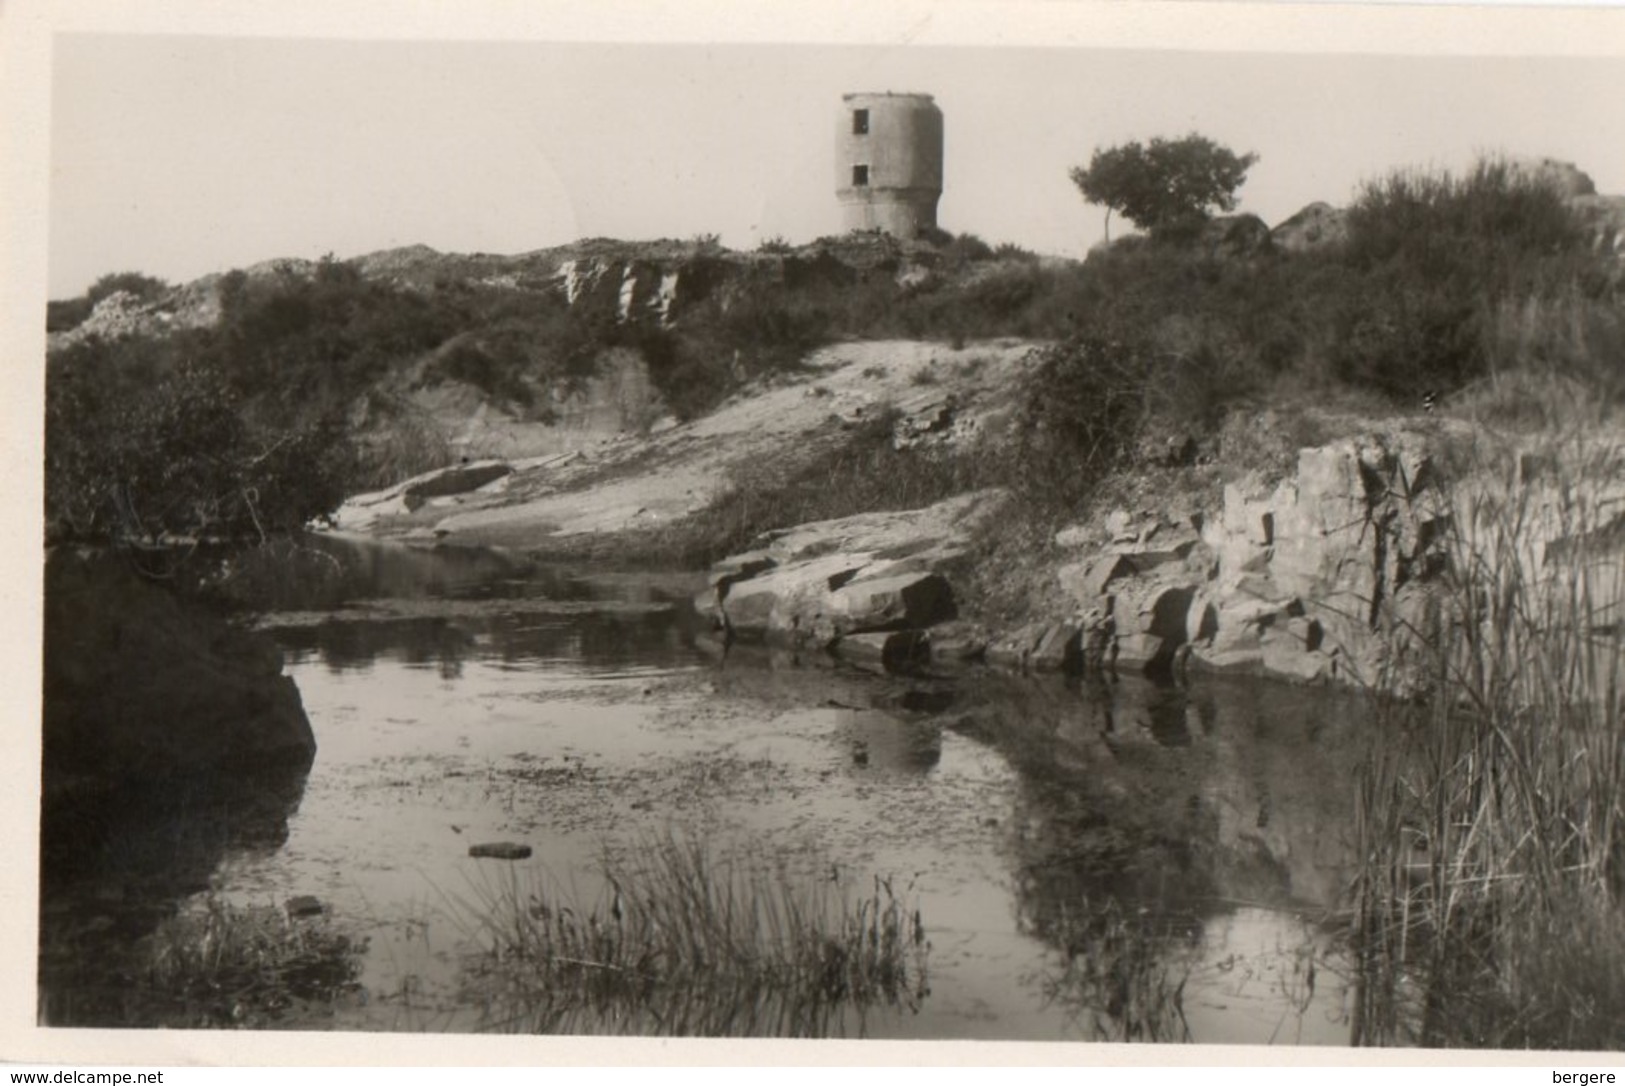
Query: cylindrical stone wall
888, 162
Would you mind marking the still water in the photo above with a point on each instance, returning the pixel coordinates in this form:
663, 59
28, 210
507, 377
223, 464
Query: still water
1065, 843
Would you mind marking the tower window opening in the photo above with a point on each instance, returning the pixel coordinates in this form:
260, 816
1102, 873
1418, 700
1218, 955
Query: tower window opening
860, 122
860, 176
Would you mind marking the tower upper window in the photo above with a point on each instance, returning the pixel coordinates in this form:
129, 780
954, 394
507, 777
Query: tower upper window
860, 176
860, 122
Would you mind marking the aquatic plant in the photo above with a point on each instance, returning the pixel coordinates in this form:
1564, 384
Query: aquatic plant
682, 943
248, 965
1491, 809
216, 965
1118, 978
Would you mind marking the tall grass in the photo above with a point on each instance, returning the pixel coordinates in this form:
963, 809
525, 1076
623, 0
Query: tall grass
681, 943
1491, 811
219, 966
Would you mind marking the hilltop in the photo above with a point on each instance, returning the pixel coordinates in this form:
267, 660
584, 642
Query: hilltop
637, 393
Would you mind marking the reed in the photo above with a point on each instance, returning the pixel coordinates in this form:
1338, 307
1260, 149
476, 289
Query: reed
1118, 978
680, 943
1491, 810
216, 965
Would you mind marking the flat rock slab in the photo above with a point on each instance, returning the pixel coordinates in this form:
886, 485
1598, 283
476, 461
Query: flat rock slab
500, 850
457, 479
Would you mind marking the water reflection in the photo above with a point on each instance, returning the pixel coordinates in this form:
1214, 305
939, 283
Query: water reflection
1102, 860
113, 866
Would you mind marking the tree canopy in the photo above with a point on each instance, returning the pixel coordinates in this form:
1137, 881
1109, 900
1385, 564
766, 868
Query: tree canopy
1166, 187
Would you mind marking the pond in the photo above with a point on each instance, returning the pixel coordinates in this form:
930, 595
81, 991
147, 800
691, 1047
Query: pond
1088, 860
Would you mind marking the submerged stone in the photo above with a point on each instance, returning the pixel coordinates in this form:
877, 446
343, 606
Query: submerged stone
897, 650
304, 905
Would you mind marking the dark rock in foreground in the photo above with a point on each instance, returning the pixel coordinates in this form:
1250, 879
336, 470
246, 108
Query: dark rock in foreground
142, 685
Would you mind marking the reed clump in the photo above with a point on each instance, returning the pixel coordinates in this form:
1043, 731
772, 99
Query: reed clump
1491, 810
230, 966
1117, 977
681, 943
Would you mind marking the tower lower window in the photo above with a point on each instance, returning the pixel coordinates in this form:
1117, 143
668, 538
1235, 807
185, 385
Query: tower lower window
860, 176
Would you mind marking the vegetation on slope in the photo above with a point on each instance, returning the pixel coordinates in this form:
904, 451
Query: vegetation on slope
1485, 282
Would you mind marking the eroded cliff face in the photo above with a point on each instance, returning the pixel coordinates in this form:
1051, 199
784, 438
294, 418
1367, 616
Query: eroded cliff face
1344, 570
1350, 569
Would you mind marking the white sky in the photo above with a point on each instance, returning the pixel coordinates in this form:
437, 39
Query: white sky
179, 156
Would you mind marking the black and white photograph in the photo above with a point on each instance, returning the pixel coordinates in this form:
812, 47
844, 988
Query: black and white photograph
1098, 525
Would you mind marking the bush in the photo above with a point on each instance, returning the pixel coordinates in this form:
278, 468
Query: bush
140, 446
495, 365
1437, 261
144, 287
1082, 414
66, 315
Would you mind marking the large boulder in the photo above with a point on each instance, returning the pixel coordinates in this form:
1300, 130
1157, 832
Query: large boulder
1230, 237
814, 584
1318, 226
1564, 178
141, 685
1604, 217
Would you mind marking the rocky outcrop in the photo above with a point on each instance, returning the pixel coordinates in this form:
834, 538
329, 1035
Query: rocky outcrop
1293, 579
1564, 178
119, 315
1335, 572
1604, 217
1233, 237
829, 584
1317, 226
1306, 569
141, 685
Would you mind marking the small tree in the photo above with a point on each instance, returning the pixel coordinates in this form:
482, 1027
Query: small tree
1168, 187
142, 286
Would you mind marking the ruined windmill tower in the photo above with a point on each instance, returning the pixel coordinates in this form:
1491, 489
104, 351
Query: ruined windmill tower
888, 163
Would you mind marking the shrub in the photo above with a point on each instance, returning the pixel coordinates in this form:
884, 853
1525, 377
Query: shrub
966, 249
62, 316
230, 966
144, 287
1009, 250
140, 446
1437, 261
1082, 414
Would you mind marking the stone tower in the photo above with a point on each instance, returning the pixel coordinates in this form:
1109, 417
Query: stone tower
888, 162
